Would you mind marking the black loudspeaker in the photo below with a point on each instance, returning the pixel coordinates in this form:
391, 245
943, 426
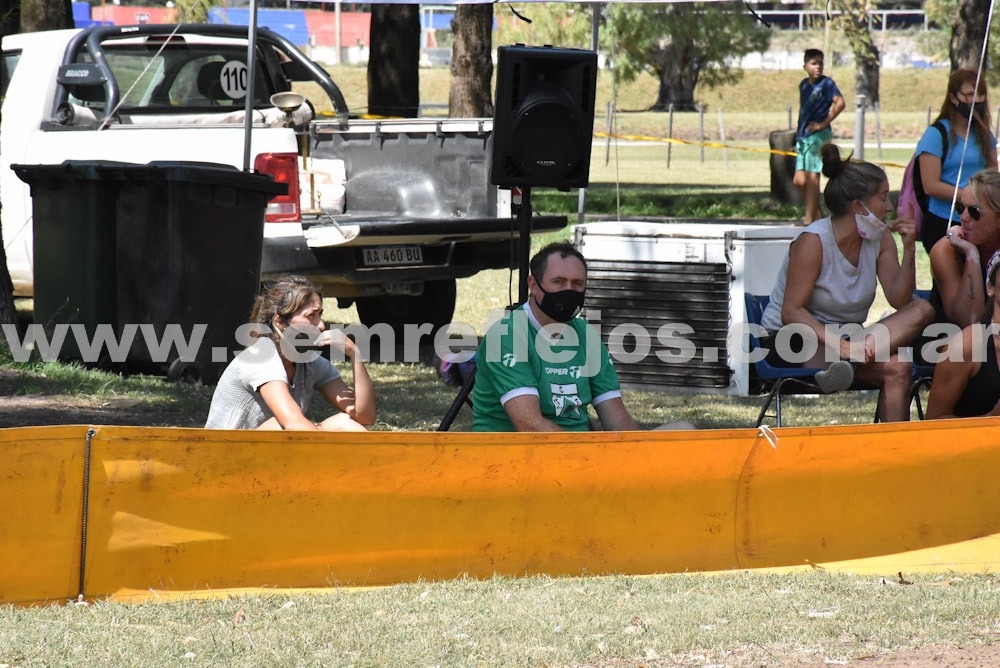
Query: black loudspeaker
543, 123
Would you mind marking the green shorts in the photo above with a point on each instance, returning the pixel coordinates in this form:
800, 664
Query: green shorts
808, 158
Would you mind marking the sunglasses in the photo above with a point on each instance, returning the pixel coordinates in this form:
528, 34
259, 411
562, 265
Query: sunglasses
975, 212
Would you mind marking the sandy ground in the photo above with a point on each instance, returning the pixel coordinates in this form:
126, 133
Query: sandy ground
28, 411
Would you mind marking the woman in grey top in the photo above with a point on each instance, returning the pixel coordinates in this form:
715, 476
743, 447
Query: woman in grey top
270, 384
827, 284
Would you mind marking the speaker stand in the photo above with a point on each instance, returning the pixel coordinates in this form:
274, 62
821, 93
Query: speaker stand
524, 243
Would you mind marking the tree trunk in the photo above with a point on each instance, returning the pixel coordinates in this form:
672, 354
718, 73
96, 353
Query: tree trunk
866, 56
867, 84
393, 75
968, 32
471, 62
678, 78
46, 15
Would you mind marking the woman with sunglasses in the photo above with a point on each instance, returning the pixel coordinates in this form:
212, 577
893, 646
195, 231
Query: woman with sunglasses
947, 163
827, 284
958, 261
967, 379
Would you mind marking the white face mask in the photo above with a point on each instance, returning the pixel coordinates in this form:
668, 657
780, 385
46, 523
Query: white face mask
869, 226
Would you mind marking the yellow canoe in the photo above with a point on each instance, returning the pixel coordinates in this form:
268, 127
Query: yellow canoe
125, 511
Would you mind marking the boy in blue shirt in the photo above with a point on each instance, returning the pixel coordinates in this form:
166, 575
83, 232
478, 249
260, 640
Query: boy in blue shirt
820, 101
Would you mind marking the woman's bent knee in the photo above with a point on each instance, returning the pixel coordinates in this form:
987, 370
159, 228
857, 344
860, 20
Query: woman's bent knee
898, 371
340, 422
922, 310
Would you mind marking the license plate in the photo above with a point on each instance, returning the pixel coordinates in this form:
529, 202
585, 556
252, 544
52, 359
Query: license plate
385, 256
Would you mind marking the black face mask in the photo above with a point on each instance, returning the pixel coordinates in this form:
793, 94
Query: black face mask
978, 107
561, 306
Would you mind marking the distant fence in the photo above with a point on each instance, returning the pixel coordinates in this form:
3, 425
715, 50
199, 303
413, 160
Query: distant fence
878, 19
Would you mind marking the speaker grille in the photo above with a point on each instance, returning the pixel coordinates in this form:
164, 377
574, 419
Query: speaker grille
515, 87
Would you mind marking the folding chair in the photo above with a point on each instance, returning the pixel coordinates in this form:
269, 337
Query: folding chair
460, 399
923, 373
920, 382
799, 380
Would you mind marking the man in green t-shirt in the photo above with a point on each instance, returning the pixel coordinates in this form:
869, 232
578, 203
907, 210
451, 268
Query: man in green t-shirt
539, 367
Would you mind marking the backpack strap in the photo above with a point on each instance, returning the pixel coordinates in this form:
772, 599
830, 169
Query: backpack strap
944, 139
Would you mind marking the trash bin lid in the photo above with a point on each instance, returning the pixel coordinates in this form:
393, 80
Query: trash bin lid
208, 173
74, 169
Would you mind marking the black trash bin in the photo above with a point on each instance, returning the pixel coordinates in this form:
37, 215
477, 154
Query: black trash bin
783, 168
190, 237
75, 266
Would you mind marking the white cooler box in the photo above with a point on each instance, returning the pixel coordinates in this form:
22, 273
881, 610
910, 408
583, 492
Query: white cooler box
691, 275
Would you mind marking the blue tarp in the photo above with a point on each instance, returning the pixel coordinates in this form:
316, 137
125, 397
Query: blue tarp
81, 11
81, 16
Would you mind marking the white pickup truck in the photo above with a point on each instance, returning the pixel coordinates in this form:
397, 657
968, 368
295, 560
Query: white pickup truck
384, 214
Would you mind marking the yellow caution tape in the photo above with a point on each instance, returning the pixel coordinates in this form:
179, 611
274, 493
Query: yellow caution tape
714, 144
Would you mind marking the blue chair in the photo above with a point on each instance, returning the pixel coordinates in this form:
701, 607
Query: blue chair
798, 380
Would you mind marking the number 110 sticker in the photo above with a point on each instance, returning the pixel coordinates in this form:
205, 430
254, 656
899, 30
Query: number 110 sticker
234, 79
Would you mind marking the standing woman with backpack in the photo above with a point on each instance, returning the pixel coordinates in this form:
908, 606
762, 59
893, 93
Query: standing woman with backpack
940, 152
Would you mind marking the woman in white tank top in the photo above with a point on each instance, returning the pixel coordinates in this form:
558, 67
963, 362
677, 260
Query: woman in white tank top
827, 284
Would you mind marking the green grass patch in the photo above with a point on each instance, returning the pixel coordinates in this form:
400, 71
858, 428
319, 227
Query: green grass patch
738, 619
680, 201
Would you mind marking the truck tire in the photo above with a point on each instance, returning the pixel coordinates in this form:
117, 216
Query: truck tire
436, 306
185, 372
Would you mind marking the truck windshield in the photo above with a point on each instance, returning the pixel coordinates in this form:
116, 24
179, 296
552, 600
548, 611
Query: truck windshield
178, 78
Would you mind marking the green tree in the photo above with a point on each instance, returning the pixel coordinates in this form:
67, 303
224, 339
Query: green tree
682, 44
559, 24
966, 20
853, 20
192, 11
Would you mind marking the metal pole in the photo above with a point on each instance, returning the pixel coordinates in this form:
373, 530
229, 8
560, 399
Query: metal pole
722, 140
878, 129
670, 131
595, 24
790, 117
524, 243
251, 75
336, 33
859, 127
826, 33
701, 129
607, 143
